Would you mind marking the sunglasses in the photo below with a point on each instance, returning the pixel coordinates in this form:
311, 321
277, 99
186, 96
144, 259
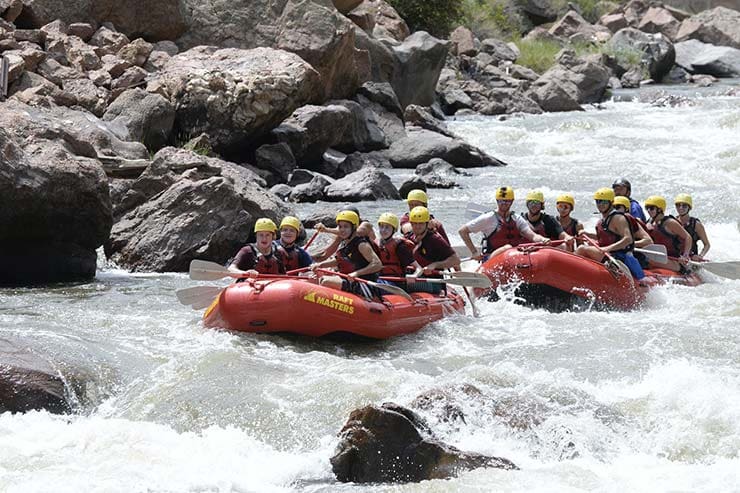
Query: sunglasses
651, 208
531, 203
504, 201
603, 202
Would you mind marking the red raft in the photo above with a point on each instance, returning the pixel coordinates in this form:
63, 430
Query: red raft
558, 280
300, 306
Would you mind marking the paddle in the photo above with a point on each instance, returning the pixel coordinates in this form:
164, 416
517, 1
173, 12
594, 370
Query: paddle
656, 253
383, 287
474, 210
203, 270
470, 279
729, 269
310, 240
198, 297
612, 261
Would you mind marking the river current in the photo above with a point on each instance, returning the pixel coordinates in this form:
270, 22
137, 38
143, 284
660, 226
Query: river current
647, 400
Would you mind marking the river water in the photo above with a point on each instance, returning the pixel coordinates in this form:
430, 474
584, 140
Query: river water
647, 400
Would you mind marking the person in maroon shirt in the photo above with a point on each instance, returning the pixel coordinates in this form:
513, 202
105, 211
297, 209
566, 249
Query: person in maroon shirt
431, 252
260, 257
419, 198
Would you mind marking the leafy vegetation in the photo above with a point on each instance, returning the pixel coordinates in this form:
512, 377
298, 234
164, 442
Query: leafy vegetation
537, 54
492, 19
437, 17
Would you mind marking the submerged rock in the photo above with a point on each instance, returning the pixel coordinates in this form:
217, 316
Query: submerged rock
393, 444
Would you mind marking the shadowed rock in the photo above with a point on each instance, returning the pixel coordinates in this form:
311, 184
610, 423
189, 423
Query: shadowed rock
392, 444
422, 145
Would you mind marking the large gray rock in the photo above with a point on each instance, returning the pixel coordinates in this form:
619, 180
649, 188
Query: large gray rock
572, 23
719, 26
393, 444
659, 20
570, 83
419, 146
420, 59
366, 184
234, 95
142, 117
188, 206
658, 54
277, 158
702, 58
463, 41
54, 204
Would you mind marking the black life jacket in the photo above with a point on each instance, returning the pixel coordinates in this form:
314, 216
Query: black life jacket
606, 237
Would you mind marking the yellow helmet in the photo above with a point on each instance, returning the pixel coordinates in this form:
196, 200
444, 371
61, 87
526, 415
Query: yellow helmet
683, 198
504, 193
657, 201
604, 194
417, 195
419, 215
349, 216
535, 195
390, 219
622, 200
291, 221
567, 199
265, 224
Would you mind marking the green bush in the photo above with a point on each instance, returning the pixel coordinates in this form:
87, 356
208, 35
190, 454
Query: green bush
437, 17
492, 19
537, 54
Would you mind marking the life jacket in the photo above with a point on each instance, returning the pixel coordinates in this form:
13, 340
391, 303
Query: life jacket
538, 226
634, 223
349, 258
506, 233
605, 237
389, 256
572, 228
690, 228
267, 264
290, 256
661, 236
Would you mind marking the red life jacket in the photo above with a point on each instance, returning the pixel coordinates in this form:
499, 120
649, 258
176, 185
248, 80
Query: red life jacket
289, 256
605, 237
506, 233
538, 226
661, 236
572, 228
267, 264
349, 258
389, 256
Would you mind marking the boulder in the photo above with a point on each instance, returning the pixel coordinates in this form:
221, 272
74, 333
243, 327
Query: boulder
419, 146
136, 52
538, 11
719, 26
658, 52
54, 201
187, 206
142, 117
463, 42
419, 61
499, 50
377, 116
614, 22
422, 117
381, 58
10, 9
277, 158
388, 24
366, 184
234, 95
313, 191
82, 30
702, 58
346, 6
30, 381
570, 83
572, 23
364, 133
659, 20
382, 93
393, 444
508, 101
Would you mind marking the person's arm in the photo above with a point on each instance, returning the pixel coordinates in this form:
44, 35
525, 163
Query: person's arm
374, 265
243, 262
327, 251
702, 233
642, 238
464, 233
526, 231
620, 227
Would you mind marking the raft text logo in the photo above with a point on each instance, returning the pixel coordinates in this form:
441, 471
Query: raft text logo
338, 302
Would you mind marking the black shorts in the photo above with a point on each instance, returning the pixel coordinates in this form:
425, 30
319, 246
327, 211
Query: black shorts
361, 289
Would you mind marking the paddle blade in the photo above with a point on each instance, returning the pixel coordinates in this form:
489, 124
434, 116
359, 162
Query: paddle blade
389, 288
468, 279
653, 255
203, 270
729, 270
198, 297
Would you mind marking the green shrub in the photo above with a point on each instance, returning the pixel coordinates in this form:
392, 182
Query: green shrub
492, 19
537, 54
626, 57
437, 17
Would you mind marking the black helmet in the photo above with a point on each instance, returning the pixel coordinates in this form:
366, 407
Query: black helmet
622, 182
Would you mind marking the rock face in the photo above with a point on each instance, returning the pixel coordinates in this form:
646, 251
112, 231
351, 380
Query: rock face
392, 444
187, 206
702, 58
55, 208
142, 117
718, 26
232, 94
658, 52
366, 184
580, 80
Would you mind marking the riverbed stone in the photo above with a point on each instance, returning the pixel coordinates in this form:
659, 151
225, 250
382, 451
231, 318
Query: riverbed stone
702, 58
419, 146
390, 443
366, 184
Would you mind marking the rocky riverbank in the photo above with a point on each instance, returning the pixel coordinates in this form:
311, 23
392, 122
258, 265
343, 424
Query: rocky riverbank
113, 113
